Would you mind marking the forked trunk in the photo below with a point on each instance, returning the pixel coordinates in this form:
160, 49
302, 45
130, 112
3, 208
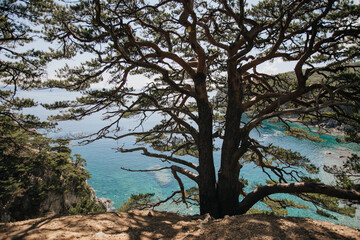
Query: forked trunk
228, 184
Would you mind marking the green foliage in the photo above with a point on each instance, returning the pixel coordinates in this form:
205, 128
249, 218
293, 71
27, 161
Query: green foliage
137, 201
85, 206
325, 214
330, 203
303, 134
20, 66
347, 176
273, 160
278, 206
346, 114
244, 181
352, 135
193, 191
204, 58
258, 211
192, 196
31, 167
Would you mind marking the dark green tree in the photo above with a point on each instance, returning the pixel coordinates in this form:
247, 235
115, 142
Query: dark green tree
32, 167
203, 58
21, 66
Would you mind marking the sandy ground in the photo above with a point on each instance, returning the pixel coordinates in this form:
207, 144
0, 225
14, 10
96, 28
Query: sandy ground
162, 225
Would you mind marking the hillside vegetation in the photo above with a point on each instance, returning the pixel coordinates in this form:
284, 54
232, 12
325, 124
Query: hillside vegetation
39, 176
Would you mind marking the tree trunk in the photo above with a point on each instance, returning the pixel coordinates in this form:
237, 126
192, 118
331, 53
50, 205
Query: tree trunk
228, 189
228, 185
207, 179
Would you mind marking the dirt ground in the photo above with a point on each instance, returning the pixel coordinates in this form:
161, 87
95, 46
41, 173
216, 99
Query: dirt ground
162, 225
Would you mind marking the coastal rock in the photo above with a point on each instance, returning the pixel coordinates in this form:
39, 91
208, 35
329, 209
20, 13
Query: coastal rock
56, 203
106, 203
331, 123
345, 128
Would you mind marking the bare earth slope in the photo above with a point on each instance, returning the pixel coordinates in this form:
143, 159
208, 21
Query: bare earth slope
163, 225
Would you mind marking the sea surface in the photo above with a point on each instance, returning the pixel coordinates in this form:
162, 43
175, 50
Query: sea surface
110, 181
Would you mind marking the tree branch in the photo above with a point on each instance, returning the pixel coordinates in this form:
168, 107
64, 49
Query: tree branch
187, 173
254, 122
181, 185
163, 156
294, 188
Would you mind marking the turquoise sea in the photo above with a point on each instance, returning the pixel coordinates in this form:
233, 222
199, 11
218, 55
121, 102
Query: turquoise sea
109, 181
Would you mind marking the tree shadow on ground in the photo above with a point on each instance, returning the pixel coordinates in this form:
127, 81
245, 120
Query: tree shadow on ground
132, 225
23, 228
161, 225
272, 227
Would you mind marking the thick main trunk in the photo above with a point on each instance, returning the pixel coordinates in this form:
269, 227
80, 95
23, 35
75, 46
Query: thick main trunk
228, 184
228, 190
207, 178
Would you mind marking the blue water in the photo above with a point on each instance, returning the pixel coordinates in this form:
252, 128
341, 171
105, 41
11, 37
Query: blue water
109, 181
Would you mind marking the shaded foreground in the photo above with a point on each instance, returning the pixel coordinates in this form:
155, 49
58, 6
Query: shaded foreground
163, 225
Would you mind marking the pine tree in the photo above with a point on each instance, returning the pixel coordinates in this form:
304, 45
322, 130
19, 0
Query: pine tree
203, 58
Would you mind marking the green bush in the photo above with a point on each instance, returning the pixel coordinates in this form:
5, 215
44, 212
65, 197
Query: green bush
85, 206
137, 201
31, 166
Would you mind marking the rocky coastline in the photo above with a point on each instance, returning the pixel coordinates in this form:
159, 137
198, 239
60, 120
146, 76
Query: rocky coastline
330, 126
105, 203
335, 126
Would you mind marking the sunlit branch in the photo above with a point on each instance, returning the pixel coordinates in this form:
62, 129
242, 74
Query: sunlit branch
277, 171
255, 121
186, 173
191, 129
145, 170
163, 156
181, 185
294, 188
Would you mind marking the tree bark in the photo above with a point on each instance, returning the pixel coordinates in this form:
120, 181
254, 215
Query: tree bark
264, 191
207, 179
229, 186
